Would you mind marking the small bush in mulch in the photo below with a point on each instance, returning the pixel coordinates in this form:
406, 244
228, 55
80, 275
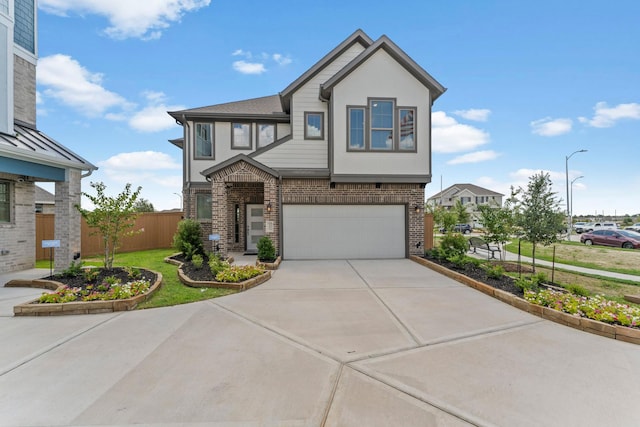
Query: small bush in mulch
214, 269
472, 268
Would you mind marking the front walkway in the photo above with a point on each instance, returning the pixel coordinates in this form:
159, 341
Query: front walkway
331, 343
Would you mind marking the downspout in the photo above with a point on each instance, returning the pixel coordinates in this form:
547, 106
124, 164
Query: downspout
186, 167
329, 132
280, 216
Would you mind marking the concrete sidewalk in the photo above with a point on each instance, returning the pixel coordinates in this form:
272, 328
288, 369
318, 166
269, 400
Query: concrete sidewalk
323, 343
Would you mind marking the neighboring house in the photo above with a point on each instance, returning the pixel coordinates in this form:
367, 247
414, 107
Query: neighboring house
45, 201
26, 154
471, 196
334, 166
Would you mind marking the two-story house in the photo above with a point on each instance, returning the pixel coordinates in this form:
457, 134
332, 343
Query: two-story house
332, 167
469, 195
27, 155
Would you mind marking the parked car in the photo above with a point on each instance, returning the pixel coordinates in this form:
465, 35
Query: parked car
635, 227
577, 226
460, 228
618, 238
592, 226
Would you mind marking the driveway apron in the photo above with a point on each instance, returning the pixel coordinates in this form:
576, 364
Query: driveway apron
323, 343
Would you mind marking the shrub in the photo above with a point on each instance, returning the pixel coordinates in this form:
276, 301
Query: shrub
133, 273
238, 273
453, 244
111, 280
266, 250
197, 261
91, 275
459, 261
495, 271
74, 269
188, 238
216, 265
527, 284
577, 290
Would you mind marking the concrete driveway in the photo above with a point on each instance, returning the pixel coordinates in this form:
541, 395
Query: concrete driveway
335, 343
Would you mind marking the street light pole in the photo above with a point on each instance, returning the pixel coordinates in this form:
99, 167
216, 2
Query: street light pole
566, 165
571, 204
179, 195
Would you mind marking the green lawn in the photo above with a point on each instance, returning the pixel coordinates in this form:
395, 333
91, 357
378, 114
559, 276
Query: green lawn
172, 291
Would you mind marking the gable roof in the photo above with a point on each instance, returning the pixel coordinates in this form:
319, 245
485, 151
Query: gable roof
396, 53
31, 145
477, 190
263, 107
358, 36
237, 159
44, 197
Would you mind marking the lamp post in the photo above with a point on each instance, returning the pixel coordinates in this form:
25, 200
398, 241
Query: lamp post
566, 165
179, 195
571, 198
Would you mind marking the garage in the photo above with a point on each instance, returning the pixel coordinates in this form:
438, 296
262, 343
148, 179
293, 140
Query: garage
344, 231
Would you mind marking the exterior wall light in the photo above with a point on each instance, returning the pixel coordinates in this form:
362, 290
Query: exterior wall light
269, 206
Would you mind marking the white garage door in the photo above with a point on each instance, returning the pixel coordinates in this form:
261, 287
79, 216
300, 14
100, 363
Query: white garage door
344, 231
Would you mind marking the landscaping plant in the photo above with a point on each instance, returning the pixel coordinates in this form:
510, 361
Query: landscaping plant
266, 250
187, 239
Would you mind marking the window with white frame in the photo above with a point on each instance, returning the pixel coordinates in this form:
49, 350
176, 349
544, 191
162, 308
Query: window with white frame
203, 206
241, 136
381, 126
204, 140
266, 134
5, 202
313, 125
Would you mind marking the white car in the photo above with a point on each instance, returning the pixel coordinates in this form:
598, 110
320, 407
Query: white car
599, 226
635, 227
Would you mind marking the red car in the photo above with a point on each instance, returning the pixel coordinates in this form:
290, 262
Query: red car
619, 238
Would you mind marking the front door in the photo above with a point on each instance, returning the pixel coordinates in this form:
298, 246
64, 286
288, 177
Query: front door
255, 226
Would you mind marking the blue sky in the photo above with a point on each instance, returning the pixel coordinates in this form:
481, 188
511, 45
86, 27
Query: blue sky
528, 83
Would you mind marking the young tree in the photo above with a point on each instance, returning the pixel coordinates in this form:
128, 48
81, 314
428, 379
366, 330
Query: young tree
498, 222
143, 205
112, 217
538, 213
461, 212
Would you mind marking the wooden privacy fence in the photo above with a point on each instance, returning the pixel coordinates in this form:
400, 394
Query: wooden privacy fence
159, 228
428, 231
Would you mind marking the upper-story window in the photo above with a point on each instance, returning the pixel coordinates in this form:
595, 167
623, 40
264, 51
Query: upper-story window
5, 201
465, 200
356, 126
266, 134
381, 112
241, 136
381, 126
313, 125
24, 30
204, 140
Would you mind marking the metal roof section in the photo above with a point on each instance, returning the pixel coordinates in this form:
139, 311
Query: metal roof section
267, 107
31, 145
395, 52
358, 36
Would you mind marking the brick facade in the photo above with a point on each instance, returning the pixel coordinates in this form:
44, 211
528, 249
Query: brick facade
67, 222
241, 183
18, 238
24, 90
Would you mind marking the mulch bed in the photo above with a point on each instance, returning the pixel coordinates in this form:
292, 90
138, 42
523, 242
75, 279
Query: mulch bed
202, 274
504, 283
120, 273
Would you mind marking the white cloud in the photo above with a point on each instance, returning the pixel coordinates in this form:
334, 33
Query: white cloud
449, 136
145, 19
475, 157
139, 161
249, 67
154, 117
240, 52
475, 114
551, 127
606, 117
70, 83
280, 59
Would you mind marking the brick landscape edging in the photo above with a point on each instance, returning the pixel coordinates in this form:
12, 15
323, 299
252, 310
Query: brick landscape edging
31, 308
622, 333
240, 286
269, 265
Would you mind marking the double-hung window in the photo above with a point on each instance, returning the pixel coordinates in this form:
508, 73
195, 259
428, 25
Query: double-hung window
241, 136
266, 134
381, 119
204, 140
5, 202
381, 126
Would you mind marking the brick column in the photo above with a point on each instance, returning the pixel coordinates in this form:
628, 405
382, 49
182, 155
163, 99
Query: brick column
416, 222
67, 222
219, 214
271, 196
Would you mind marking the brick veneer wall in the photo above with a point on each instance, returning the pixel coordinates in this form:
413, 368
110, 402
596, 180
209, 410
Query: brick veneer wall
24, 90
242, 194
67, 222
319, 191
19, 236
